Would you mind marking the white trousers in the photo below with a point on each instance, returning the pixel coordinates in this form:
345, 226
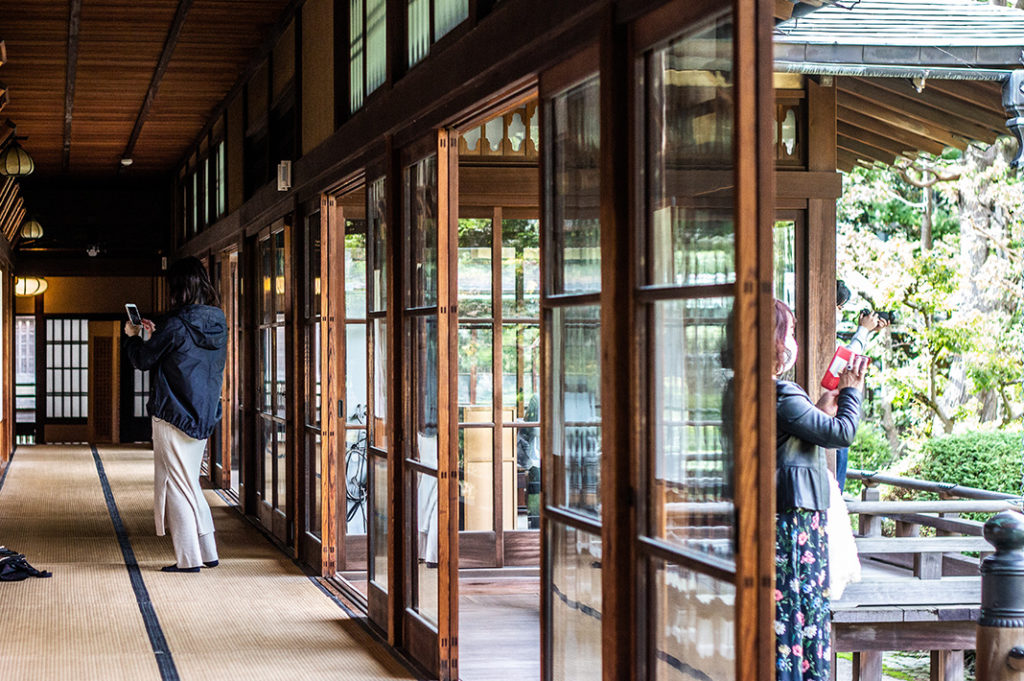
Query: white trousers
178, 501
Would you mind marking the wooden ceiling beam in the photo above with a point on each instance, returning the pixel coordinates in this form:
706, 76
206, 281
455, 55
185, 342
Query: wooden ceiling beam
904, 137
942, 103
71, 74
932, 131
7, 201
979, 93
863, 150
11, 228
846, 160
895, 147
926, 114
11, 211
158, 74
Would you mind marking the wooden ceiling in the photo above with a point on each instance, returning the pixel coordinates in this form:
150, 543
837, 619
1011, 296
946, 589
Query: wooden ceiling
92, 80
882, 118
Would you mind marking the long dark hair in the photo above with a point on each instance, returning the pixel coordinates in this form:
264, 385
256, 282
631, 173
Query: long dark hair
189, 284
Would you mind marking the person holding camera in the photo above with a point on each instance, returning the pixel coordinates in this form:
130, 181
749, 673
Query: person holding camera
802, 576
869, 321
186, 356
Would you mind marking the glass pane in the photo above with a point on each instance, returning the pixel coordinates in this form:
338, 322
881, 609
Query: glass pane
575, 190
476, 475
267, 281
425, 520
421, 222
313, 266
355, 52
282, 468
520, 349
355, 482
355, 373
376, 212
527, 475
267, 480
355, 269
419, 30
576, 410
693, 626
376, 44
785, 262
423, 374
448, 14
280, 280
476, 374
475, 268
520, 268
313, 377
378, 426
281, 370
690, 160
313, 449
575, 594
267, 370
221, 180
379, 530
691, 497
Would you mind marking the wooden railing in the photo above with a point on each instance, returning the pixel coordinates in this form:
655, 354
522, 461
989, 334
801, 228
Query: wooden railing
918, 592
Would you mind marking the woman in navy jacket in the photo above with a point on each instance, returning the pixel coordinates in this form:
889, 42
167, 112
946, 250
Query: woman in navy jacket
185, 356
803, 432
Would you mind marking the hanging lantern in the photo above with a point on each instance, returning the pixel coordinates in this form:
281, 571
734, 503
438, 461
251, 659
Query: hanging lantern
31, 229
15, 161
29, 286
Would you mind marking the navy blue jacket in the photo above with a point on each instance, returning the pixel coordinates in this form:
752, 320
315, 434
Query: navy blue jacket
186, 358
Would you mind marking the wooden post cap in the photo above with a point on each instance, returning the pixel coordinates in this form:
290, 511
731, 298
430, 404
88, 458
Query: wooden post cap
1002, 573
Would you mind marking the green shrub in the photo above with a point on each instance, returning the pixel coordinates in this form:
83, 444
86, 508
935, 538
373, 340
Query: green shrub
989, 461
870, 451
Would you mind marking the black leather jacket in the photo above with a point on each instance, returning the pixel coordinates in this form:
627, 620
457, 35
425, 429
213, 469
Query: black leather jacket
802, 435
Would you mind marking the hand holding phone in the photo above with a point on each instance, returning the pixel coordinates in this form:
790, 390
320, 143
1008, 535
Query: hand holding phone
841, 361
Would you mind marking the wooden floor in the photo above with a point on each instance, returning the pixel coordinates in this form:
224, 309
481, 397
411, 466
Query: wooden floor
256, 616
499, 629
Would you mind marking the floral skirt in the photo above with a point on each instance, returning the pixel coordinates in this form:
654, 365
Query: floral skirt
803, 621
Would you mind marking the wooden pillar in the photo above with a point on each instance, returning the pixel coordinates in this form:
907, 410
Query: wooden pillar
947, 665
867, 665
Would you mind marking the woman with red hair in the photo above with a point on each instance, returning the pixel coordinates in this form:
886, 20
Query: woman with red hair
803, 432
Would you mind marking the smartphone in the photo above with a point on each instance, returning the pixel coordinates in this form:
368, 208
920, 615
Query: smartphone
133, 314
840, 360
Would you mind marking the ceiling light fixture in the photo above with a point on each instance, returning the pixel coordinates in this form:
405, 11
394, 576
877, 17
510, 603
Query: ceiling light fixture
15, 161
31, 229
29, 286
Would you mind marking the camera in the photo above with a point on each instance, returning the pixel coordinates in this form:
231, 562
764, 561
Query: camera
887, 316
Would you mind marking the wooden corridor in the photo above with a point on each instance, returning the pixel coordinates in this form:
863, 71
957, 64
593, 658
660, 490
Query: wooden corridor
256, 616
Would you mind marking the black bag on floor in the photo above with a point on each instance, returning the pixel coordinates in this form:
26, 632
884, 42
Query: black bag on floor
15, 568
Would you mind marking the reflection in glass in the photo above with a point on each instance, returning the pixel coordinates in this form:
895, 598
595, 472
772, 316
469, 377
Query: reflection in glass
279, 275
355, 269
376, 211
527, 467
693, 625
476, 475
785, 262
575, 595
266, 280
421, 218
379, 530
690, 160
378, 425
267, 481
355, 373
520, 268
575, 190
267, 345
476, 359
425, 520
281, 466
313, 447
281, 372
692, 500
423, 377
313, 394
521, 368
356, 480
576, 408
474, 268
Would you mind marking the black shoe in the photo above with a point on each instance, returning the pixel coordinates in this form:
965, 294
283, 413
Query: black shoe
211, 563
175, 568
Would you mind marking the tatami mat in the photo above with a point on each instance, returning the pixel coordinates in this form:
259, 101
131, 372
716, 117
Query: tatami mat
256, 616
